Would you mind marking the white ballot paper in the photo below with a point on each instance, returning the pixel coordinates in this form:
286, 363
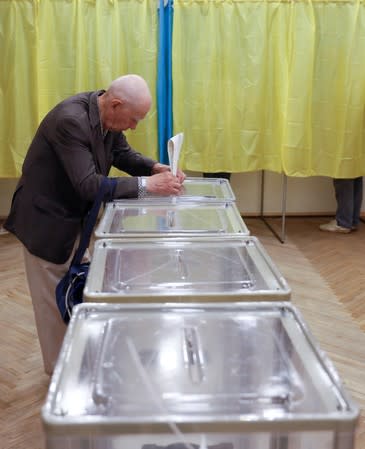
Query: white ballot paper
173, 150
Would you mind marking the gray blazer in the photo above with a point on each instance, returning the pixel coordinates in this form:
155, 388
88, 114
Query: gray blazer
62, 172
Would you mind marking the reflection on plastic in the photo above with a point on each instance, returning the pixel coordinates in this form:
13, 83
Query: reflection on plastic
154, 393
193, 354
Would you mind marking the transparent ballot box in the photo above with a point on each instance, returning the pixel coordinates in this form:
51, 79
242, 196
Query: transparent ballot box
136, 218
159, 270
231, 376
202, 189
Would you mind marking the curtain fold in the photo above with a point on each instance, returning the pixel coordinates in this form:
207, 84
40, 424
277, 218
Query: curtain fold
270, 85
274, 85
53, 49
18, 82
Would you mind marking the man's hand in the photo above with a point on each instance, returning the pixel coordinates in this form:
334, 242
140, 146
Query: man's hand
161, 168
164, 183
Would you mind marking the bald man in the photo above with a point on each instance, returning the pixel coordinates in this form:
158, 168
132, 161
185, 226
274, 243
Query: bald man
75, 146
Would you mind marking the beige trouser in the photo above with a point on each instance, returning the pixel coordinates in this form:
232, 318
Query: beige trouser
43, 278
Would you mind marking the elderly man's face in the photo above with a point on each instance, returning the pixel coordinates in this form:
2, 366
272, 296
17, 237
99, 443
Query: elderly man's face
124, 116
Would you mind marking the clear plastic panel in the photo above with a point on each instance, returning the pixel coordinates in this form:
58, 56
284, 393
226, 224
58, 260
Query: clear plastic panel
200, 268
203, 189
203, 363
144, 218
211, 268
169, 220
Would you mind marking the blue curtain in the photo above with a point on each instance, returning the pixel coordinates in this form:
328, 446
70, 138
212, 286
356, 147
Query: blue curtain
164, 78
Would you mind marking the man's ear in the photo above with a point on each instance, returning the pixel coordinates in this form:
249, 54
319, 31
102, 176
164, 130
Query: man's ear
116, 102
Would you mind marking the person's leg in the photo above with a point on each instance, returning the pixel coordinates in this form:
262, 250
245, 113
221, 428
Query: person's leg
358, 188
344, 191
43, 278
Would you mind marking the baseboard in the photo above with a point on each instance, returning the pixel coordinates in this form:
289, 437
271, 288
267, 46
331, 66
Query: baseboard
288, 214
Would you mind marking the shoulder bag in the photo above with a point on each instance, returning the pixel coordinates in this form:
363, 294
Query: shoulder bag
69, 290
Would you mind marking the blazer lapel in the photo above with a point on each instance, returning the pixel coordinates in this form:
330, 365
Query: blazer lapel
97, 141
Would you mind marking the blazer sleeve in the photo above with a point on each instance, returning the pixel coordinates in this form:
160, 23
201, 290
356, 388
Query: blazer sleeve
125, 158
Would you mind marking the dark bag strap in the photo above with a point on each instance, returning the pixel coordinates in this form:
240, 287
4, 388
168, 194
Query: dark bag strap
105, 193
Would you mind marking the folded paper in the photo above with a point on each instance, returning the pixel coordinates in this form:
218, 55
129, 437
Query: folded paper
173, 149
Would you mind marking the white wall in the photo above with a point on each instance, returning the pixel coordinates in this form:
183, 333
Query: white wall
7, 187
301, 196
305, 196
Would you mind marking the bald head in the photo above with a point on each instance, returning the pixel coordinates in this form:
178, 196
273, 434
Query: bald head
126, 101
131, 89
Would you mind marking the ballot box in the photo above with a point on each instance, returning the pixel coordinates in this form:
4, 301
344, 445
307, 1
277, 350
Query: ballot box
227, 376
201, 189
169, 218
183, 269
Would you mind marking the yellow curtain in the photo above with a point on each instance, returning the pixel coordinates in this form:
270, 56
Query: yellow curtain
270, 85
51, 49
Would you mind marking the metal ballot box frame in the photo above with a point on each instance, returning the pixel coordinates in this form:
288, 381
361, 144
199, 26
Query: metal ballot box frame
137, 218
183, 270
227, 376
